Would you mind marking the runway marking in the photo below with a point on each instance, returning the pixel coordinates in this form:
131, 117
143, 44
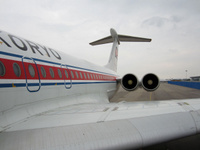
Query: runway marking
150, 96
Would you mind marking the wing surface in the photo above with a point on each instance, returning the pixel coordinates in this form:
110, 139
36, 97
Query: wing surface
103, 126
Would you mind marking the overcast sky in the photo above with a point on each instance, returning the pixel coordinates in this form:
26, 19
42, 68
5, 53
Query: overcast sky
70, 25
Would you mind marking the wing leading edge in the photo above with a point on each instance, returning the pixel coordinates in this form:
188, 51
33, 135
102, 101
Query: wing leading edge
105, 126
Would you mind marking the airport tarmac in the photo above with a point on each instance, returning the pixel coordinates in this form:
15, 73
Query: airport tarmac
164, 92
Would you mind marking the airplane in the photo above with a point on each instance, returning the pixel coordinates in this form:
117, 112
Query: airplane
53, 101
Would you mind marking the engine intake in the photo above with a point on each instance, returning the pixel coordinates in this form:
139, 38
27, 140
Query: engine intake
150, 82
129, 82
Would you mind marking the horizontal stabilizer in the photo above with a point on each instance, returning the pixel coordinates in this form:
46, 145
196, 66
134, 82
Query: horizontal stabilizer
125, 38
105, 40
121, 38
116, 39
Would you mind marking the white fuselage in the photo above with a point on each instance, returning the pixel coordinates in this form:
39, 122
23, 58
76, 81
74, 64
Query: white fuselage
34, 73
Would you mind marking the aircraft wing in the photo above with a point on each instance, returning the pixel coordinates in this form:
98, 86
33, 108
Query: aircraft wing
100, 126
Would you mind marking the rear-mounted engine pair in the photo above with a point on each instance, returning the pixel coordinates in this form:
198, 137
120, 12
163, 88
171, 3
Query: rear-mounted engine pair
150, 82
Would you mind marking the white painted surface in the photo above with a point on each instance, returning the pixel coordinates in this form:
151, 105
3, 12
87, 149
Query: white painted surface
56, 118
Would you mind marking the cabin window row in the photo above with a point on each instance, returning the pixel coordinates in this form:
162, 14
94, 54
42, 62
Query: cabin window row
74, 74
31, 70
83, 75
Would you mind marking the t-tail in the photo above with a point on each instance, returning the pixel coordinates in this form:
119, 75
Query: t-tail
116, 39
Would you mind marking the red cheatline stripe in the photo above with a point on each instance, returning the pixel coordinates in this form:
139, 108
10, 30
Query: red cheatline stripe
9, 74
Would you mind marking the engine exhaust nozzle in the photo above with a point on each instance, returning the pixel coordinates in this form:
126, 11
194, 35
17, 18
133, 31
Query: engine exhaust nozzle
150, 82
129, 82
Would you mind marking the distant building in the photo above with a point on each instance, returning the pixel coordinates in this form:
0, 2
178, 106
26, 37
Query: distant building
195, 78
186, 79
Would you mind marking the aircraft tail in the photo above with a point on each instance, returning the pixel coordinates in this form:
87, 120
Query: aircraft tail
116, 39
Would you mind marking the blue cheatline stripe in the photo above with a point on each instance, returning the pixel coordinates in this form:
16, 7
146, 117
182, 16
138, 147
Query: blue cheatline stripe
93, 82
10, 54
50, 62
90, 70
8, 85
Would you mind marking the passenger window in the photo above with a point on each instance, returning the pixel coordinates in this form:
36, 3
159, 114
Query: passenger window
43, 72
72, 74
77, 75
59, 73
85, 75
88, 75
51, 72
17, 69
97, 76
31, 70
81, 75
91, 76
94, 76
66, 74
2, 69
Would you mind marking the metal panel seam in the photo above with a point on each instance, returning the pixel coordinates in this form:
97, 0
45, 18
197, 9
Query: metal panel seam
137, 130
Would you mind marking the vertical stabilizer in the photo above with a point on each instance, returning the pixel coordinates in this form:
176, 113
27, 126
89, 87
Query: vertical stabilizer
112, 62
115, 39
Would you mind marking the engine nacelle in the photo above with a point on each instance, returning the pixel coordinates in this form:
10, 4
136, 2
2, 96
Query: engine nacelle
150, 82
129, 82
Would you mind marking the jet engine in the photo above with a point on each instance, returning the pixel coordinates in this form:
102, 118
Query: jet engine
150, 82
129, 82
